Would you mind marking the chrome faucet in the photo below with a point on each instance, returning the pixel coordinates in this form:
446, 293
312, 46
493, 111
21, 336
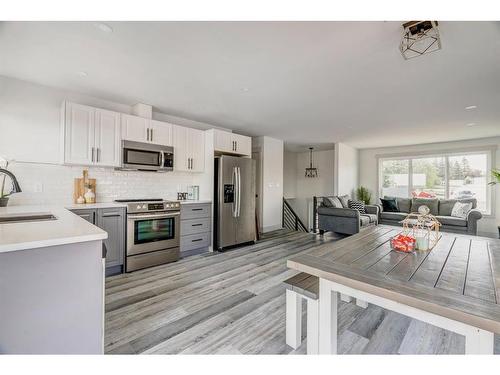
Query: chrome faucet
15, 184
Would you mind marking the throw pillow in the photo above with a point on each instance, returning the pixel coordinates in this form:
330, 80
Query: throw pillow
389, 205
461, 210
357, 205
344, 199
332, 202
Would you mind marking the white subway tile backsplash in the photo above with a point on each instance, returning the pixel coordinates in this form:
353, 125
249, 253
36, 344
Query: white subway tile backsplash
57, 183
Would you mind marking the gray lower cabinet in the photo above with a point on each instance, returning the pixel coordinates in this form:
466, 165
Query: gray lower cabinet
195, 227
113, 221
87, 214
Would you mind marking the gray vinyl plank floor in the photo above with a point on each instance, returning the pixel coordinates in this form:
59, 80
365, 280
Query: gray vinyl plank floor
234, 303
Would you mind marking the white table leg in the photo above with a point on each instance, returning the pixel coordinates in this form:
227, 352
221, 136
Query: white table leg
312, 326
479, 341
327, 318
361, 303
345, 297
293, 319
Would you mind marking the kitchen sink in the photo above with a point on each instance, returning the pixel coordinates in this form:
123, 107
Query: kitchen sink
26, 218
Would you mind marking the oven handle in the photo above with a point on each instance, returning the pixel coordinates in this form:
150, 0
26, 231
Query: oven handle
162, 216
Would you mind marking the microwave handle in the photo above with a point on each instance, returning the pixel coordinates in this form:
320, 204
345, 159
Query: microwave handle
162, 159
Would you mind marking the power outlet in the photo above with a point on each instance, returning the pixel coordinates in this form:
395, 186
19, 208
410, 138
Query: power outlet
38, 188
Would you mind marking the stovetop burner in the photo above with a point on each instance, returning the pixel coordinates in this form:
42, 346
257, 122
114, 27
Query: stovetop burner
138, 200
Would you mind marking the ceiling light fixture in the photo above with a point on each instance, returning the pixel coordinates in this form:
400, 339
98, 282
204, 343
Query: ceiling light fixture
471, 107
103, 27
311, 172
245, 89
471, 124
82, 74
419, 37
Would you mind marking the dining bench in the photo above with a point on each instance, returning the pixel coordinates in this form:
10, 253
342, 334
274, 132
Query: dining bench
298, 287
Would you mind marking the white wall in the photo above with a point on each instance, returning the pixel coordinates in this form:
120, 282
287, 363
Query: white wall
289, 174
30, 134
346, 169
368, 168
272, 181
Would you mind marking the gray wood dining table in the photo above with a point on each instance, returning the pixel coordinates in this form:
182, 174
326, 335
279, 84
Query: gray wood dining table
455, 285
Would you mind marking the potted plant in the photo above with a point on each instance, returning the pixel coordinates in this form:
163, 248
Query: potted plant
495, 174
364, 195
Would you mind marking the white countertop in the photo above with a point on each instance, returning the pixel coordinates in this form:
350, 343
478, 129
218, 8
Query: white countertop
68, 228
75, 206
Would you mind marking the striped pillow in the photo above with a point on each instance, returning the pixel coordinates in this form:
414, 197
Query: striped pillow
357, 205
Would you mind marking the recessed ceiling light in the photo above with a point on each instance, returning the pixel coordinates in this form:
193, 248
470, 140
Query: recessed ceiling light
103, 27
245, 89
82, 74
470, 124
471, 107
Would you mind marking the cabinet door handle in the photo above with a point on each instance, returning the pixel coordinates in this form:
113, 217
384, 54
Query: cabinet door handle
196, 225
151, 135
197, 209
147, 135
111, 214
98, 154
198, 239
92, 154
235, 145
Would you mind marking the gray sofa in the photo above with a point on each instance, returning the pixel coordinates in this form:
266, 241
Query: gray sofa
440, 208
332, 214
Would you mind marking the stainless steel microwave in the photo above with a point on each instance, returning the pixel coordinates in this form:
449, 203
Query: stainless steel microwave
146, 157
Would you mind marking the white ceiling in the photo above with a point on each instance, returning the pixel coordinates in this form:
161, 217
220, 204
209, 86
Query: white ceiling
304, 82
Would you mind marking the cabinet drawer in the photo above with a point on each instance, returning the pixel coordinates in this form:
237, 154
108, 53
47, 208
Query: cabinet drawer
195, 241
194, 226
195, 211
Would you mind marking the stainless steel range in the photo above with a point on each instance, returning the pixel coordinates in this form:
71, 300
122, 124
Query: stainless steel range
153, 233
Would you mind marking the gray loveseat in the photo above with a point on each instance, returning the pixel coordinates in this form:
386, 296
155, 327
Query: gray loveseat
441, 208
332, 214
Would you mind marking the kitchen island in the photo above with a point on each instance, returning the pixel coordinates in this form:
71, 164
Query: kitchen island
51, 282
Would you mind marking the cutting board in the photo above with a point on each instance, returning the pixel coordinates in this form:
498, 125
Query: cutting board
79, 185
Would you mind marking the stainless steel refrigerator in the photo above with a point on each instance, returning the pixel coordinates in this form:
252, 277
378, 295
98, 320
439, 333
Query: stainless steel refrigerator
234, 201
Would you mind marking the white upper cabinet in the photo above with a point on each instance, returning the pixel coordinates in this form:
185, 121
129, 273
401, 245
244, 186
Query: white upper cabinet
138, 129
180, 139
135, 128
91, 135
189, 149
230, 143
242, 144
79, 135
160, 133
223, 141
196, 150
107, 138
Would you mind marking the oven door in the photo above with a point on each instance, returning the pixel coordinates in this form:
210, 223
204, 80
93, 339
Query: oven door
152, 232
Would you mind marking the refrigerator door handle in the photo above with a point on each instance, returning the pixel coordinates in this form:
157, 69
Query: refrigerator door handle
239, 191
234, 181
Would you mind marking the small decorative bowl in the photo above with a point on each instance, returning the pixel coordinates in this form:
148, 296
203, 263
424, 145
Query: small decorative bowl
401, 243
